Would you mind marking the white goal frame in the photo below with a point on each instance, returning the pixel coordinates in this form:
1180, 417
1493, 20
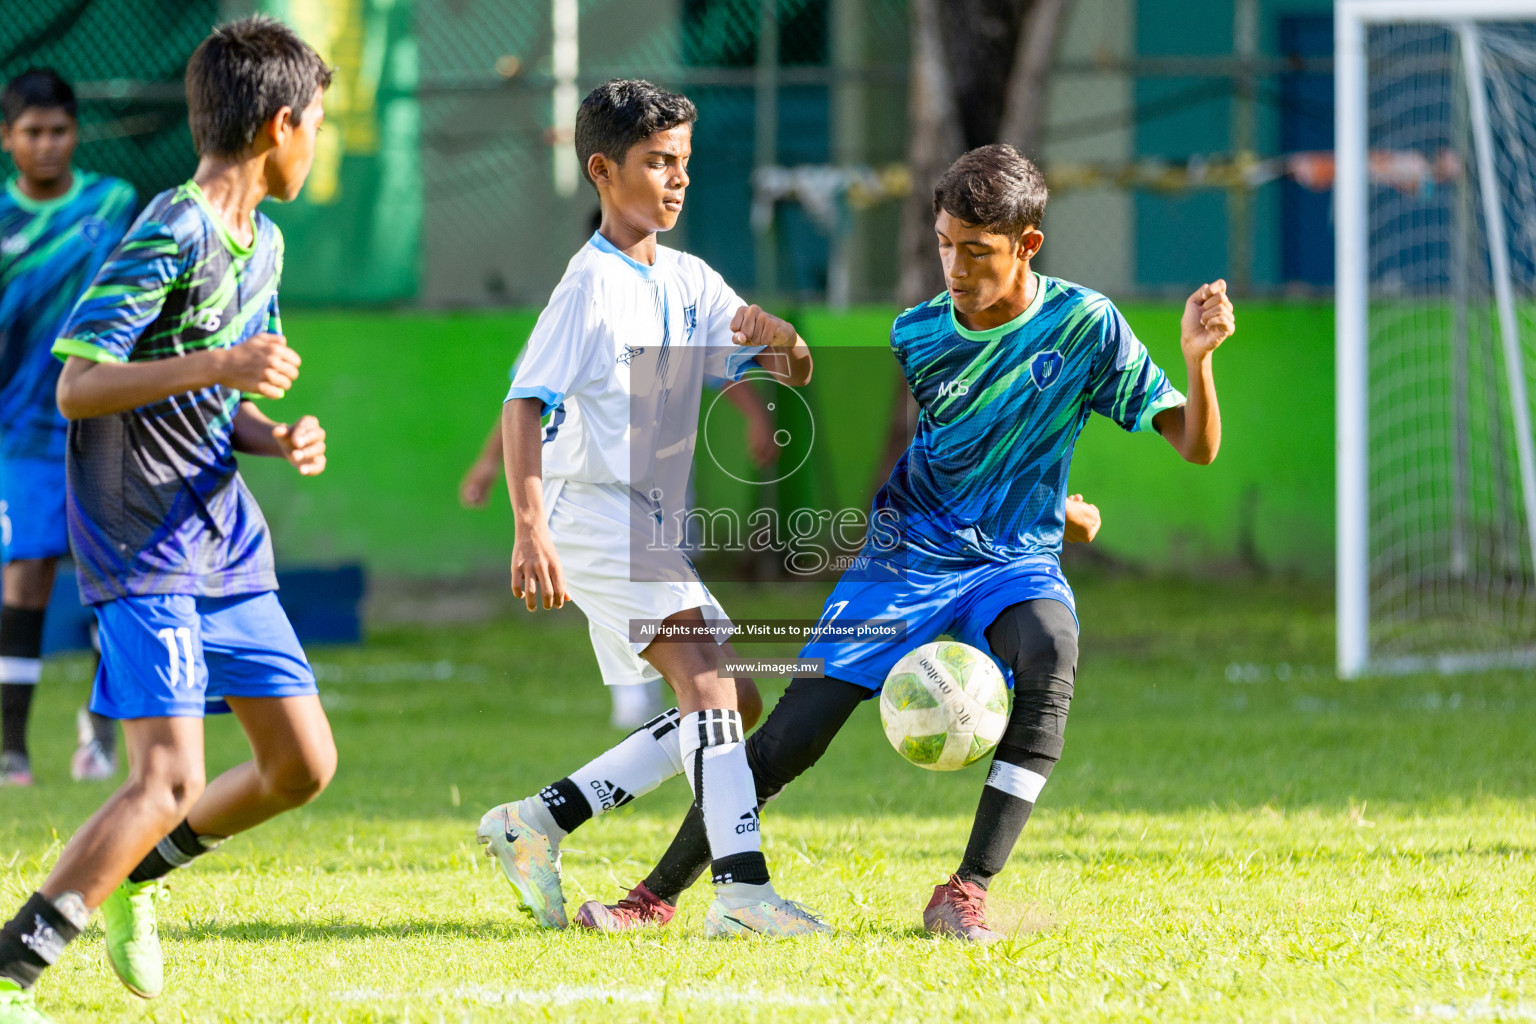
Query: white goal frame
1352, 286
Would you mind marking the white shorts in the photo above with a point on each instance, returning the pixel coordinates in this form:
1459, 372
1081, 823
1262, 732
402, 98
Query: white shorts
594, 527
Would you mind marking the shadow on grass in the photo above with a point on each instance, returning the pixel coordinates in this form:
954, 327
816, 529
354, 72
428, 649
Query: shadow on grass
1344, 853
1015, 926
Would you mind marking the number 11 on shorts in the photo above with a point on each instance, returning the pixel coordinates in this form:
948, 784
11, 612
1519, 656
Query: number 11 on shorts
180, 657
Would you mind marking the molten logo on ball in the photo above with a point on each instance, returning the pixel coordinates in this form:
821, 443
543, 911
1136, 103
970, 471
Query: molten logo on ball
944, 706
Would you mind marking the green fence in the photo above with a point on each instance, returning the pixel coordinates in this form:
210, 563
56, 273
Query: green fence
353, 234
126, 59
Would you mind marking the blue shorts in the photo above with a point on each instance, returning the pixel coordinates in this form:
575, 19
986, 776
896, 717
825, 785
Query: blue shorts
178, 656
32, 509
961, 605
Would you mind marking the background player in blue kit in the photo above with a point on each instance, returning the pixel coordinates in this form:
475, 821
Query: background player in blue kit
1006, 366
179, 327
57, 225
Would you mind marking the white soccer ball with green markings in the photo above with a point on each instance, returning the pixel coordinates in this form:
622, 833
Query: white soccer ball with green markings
944, 706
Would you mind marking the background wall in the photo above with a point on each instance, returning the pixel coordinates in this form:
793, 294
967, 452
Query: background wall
435, 189
406, 417
354, 231
1180, 236
126, 58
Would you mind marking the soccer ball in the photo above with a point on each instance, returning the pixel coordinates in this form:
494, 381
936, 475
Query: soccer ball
944, 706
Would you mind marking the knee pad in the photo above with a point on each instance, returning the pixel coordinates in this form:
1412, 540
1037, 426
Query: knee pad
1038, 641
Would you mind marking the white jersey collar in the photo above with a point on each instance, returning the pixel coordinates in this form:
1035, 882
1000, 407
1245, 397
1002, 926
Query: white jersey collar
598, 242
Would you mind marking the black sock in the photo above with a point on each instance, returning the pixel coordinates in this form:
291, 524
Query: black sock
174, 851
104, 729
35, 938
685, 860
566, 804
21, 648
1038, 639
1004, 809
15, 709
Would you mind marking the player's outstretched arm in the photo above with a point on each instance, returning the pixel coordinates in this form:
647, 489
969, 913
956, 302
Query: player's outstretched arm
302, 442
264, 365
1082, 520
475, 488
1194, 429
788, 357
536, 572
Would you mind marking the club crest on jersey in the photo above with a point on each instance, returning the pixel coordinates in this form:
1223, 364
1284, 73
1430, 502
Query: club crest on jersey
1045, 368
93, 228
690, 321
628, 355
207, 320
14, 245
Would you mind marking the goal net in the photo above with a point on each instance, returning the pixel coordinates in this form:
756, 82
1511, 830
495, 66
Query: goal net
1435, 209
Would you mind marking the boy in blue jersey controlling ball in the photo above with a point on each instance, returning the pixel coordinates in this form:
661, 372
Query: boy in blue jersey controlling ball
178, 331
57, 225
1006, 366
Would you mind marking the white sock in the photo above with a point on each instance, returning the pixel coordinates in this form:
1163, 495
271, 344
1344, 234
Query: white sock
26, 671
715, 761
640, 762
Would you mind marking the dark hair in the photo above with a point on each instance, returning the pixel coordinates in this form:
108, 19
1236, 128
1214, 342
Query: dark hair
241, 76
993, 187
621, 112
37, 88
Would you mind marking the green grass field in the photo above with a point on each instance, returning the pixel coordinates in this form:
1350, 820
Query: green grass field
1233, 835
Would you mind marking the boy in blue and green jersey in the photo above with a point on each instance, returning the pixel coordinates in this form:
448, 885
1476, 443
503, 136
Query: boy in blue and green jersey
1006, 367
57, 224
180, 283
163, 352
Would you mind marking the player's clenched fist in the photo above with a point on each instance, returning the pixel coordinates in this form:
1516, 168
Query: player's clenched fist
1082, 520
1208, 320
264, 365
303, 444
752, 325
536, 571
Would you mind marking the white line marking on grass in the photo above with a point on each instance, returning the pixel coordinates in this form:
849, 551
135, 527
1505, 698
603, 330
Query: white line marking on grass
565, 995
1482, 1009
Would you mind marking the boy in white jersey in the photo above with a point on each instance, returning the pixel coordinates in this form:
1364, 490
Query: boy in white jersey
618, 362
637, 697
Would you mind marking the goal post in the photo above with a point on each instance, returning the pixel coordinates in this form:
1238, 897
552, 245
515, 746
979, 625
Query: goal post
1435, 221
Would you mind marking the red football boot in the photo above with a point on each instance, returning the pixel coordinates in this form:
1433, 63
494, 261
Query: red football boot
637, 910
959, 909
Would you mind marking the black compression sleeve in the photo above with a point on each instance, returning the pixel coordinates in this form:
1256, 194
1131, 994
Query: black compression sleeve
1038, 640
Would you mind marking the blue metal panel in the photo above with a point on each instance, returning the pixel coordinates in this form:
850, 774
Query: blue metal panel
1306, 124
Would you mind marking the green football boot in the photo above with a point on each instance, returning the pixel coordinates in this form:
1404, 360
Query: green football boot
529, 859
16, 1005
133, 941
773, 918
